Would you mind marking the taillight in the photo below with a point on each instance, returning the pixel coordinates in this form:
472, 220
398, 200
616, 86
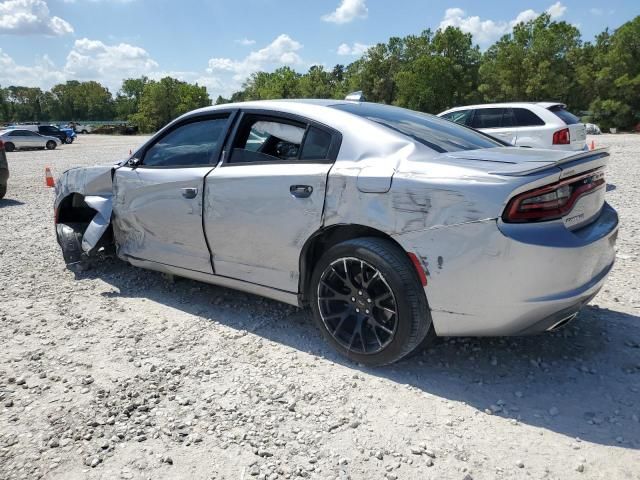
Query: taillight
562, 137
1, 145
552, 201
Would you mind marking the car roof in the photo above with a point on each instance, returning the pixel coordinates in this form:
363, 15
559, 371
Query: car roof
545, 105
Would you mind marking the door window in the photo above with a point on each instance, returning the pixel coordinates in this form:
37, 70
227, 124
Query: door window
316, 145
192, 144
463, 117
267, 139
509, 118
487, 118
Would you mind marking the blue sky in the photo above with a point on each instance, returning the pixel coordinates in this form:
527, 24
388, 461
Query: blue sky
218, 43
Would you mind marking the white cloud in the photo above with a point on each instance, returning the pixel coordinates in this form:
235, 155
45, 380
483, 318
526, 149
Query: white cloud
30, 17
487, 31
92, 59
355, 49
42, 74
282, 51
347, 11
246, 42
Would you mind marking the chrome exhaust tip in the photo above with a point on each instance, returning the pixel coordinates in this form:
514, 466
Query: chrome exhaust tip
558, 325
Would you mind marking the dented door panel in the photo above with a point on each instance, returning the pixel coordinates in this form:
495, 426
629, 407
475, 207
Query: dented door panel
256, 226
154, 220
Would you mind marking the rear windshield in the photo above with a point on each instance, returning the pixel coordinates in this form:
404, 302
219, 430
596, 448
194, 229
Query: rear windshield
434, 132
565, 115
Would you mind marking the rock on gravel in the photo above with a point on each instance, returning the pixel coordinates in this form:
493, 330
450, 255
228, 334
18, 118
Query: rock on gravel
119, 372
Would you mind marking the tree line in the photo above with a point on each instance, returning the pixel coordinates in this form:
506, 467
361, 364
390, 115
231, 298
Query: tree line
540, 60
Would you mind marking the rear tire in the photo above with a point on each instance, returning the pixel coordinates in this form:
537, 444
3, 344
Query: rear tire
9, 147
51, 145
368, 301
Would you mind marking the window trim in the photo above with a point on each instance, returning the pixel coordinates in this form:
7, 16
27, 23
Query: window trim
215, 156
284, 117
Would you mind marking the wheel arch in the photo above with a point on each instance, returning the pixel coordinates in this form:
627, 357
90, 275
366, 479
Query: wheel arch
324, 239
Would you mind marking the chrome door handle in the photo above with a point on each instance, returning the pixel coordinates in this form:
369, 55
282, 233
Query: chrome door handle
301, 191
189, 192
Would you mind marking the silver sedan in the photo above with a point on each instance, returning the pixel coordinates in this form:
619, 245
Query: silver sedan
18, 139
392, 225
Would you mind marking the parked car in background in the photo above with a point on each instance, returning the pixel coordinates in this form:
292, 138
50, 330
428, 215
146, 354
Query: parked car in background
4, 171
538, 125
22, 139
391, 224
65, 136
592, 129
70, 132
83, 128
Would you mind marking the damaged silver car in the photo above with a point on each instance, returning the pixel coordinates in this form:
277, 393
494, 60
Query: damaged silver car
392, 225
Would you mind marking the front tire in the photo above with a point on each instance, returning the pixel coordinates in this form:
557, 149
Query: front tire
51, 145
368, 301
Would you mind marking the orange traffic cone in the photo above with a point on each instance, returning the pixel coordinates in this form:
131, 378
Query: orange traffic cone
593, 145
48, 178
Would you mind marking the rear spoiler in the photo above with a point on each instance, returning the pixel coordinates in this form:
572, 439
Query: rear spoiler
570, 165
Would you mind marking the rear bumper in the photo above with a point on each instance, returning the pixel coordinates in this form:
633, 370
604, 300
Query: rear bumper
490, 278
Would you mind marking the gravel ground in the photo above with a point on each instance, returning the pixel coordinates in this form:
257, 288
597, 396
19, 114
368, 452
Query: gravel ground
121, 373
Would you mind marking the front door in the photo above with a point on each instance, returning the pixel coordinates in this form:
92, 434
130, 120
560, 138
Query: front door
158, 202
267, 198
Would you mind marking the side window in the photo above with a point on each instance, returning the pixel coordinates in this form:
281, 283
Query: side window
487, 118
188, 145
509, 118
267, 139
463, 117
526, 118
316, 145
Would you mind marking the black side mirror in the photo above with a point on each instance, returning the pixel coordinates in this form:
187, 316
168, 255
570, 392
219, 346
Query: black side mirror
134, 162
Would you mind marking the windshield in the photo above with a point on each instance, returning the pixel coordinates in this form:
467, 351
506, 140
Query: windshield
434, 132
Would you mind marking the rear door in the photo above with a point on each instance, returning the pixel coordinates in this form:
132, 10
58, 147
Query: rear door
490, 121
531, 130
158, 202
267, 197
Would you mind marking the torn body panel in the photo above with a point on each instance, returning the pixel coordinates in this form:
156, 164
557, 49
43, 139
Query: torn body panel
80, 191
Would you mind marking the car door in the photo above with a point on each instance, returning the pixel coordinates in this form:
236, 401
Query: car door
267, 197
490, 121
532, 130
26, 139
158, 197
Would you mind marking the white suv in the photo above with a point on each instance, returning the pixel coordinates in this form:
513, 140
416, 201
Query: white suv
539, 125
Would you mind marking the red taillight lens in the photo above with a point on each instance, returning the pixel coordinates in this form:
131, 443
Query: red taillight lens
1, 145
562, 137
552, 201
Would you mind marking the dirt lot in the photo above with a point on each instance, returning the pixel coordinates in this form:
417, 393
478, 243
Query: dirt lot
120, 373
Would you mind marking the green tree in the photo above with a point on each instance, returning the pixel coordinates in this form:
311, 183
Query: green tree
166, 99
128, 98
533, 63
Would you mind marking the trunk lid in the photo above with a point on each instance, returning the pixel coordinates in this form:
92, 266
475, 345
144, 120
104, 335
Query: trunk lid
563, 168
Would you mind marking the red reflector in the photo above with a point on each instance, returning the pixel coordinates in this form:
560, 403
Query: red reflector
562, 137
419, 269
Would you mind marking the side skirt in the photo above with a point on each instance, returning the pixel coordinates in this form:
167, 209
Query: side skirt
272, 293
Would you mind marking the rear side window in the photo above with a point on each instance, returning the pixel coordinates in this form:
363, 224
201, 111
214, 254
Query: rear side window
526, 118
188, 145
434, 132
565, 115
487, 118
